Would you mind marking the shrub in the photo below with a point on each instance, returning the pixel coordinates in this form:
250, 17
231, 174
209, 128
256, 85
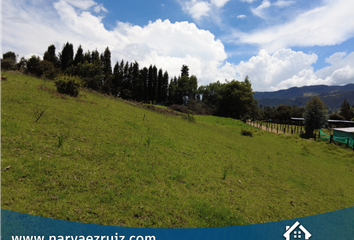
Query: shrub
179, 108
189, 117
68, 85
246, 132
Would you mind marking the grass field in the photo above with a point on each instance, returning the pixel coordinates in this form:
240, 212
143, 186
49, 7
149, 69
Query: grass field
96, 159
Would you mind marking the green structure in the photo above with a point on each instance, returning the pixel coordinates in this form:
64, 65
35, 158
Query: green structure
344, 135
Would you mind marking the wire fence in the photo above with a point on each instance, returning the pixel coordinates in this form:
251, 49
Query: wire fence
298, 129
278, 127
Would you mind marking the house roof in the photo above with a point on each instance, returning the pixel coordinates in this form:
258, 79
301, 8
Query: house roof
339, 121
348, 129
298, 119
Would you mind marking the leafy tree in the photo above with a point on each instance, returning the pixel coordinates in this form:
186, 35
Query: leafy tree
49, 71
211, 94
345, 110
22, 64
50, 56
33, 66
297, 111
9, 55
270, 113
8, 61
284, 112
236, 99
336, 116
315, 115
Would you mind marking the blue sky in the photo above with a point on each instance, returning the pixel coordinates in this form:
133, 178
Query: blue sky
277, 43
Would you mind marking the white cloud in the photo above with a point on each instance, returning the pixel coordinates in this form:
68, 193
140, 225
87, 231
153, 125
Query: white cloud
249, 1
259, 10
327, 25
169, 45
166, 44
82, 4
241, 16
197, 9
219, 3
286, 68
100, 8
282, 3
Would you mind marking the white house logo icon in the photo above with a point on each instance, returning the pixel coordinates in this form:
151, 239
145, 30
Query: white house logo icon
297, 232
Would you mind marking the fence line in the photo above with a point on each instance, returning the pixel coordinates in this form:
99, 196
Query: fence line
278, 127
346, 140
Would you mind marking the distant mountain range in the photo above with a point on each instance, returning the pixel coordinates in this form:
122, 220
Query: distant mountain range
332, 96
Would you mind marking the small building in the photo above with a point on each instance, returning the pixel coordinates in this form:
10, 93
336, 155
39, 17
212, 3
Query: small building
340, 123
344, 132
298, 121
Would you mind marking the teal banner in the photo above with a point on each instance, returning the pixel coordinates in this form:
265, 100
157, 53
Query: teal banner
333, 225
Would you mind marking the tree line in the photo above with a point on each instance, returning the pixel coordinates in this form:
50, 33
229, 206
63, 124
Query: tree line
129, 81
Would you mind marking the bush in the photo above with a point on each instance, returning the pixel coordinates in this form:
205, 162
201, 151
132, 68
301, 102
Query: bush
189, 117
246, 132
49, 71
179, 108
68, 85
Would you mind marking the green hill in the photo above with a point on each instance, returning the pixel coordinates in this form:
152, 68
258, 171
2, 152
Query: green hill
97, 159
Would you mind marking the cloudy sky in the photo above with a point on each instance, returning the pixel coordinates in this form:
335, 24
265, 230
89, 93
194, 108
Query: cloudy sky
277, 43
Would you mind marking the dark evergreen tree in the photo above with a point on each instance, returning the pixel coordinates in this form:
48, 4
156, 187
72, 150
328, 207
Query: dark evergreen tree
159, 86
51, 56
106, 62
345, 110
185, 71
66, 57
315, 115
115, 82
150, 84
193, 85
95, 56
144, 81
136, 83
79, 56
164, 88
87, 57
154, 84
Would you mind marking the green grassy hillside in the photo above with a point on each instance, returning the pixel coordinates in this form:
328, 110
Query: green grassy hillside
96, 159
